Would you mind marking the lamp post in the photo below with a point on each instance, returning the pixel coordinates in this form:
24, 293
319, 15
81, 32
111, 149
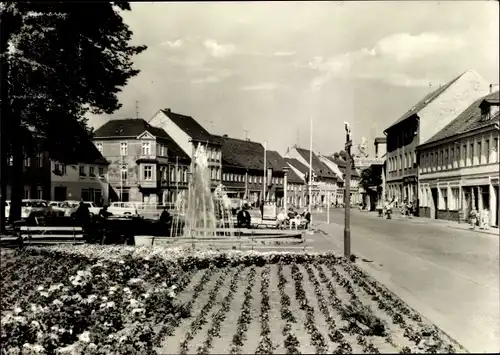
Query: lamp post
285, 188
347, 194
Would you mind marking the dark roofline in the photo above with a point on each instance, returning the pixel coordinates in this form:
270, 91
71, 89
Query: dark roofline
470, 132
432, 96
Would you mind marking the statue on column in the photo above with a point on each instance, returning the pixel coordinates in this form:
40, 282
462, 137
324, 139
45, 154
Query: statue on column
363, 148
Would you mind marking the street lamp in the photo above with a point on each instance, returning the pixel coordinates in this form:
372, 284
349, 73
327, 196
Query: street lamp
347, 194
285, 188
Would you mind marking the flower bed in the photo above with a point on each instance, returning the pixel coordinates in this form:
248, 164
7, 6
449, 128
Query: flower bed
97, 299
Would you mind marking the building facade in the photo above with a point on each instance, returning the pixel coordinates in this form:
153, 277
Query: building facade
323, 180
140, 169
188, 134
419, 124
46, 177
459, 166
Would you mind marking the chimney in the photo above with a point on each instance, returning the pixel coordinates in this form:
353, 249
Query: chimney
224, 135
491, 88
167, 110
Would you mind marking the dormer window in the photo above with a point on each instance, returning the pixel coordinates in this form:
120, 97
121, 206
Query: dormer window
146, 148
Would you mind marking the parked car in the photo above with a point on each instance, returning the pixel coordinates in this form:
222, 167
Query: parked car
35, 208
93, 209
64, 208
123, 209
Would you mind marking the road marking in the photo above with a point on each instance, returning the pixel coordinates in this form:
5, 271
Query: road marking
426, 260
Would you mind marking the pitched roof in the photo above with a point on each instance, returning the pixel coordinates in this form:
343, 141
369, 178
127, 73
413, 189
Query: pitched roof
341, 163
190, 126
297, 165
277, 162
419, 106
130, 127
319, 168
133, 128
469, 119
492, 98
241, 153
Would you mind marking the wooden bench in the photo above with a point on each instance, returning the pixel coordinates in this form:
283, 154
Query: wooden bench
36, 235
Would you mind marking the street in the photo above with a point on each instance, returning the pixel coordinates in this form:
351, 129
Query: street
451, 276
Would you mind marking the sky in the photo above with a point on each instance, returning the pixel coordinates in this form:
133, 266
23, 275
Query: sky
264, 70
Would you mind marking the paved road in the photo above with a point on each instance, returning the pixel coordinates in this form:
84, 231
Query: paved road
451, 276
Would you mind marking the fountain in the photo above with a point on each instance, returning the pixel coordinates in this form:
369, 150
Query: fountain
201, 214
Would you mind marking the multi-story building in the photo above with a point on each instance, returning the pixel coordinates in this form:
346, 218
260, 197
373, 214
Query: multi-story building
419, 124
188, 134
341, 165
459, 165
242, 168
140, 167
275, 188
62, 175
324, 180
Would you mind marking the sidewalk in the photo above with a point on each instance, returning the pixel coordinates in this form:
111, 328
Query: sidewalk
451, 224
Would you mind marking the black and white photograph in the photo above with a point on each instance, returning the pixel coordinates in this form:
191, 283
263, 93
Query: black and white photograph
249, 177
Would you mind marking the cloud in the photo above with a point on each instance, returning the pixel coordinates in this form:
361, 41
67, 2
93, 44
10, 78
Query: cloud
261, 87
216, 77
219, 50
173, 44
389, 60
283, 54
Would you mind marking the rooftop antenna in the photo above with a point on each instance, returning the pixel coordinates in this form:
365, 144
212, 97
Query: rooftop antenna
136, 109
246, 134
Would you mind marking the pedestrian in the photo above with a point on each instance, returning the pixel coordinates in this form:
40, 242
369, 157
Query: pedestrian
307, 217
473, 218
262, 208
410, 209
165, 215
281, 219
82, 215
104, 213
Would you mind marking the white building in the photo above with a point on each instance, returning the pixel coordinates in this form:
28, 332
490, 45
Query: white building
459, 165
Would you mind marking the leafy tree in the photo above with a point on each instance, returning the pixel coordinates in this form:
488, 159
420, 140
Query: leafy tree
66, 59
371, 177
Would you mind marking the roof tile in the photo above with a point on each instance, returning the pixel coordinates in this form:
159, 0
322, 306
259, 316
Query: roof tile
469, 119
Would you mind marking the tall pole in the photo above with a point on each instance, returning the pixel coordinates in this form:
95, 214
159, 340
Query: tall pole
310, 163
347, 195
121, 179
285, 188
328, 206
265, 174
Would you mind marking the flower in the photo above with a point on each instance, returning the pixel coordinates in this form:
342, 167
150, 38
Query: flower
17, 310
38, 289
84, 337
57, 303
110, 304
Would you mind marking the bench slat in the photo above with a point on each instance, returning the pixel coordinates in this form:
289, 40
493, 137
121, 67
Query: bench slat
49, 236
42, 228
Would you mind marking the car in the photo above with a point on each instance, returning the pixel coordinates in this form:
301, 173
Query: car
93, 209
35, 208
123, 209
65, 208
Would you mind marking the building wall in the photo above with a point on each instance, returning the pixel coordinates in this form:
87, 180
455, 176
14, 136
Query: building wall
178, 135
464, 174
460, 95
74, 183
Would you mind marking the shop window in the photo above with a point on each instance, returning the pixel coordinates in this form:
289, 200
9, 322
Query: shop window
454, 199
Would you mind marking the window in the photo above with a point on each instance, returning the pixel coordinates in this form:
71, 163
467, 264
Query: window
463, 157
400, 162
92, 171
27, 192
443, 199
446, 159
124, 174
487, 151
39, 192
479, 153
82, 170
39, 160
405, 161
101, 171
123, 148
414, 158
99, 147
185, 175
27, 162
172, 174
146, 148
452, 158
454, 199
148, 172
